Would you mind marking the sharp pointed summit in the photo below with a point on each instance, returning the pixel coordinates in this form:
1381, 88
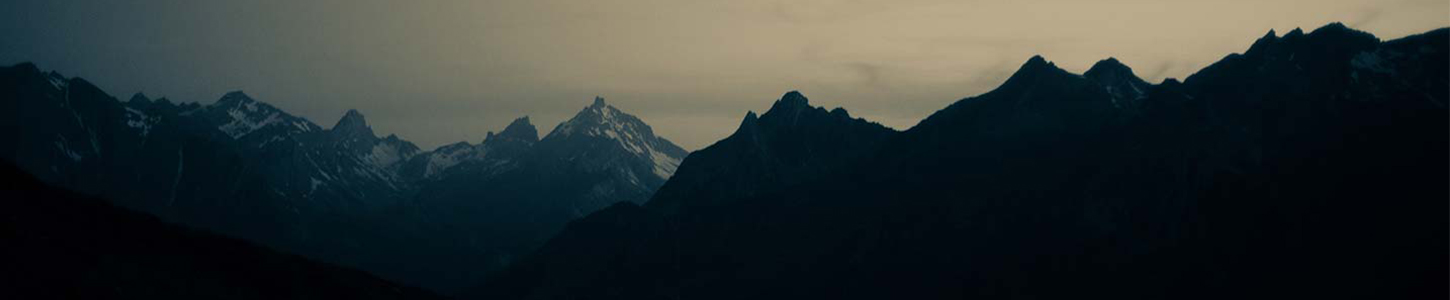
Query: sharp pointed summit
790, 103
521, 129
1037, 64
750, 119
235, 97
239, 115
1109, 68
352, 120
1119, 80
598, 102
601, 130
789, 144
518, 130
139, 97
1032, 70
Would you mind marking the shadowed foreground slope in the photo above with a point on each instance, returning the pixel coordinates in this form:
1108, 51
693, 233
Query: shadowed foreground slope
60, 245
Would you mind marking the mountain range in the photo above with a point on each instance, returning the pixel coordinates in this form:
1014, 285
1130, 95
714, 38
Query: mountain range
1310, 165
242, 167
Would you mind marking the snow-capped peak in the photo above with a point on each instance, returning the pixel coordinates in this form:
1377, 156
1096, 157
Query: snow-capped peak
239, 115
603, 121
352, 122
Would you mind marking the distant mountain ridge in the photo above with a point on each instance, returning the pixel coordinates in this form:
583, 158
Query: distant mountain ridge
342, 194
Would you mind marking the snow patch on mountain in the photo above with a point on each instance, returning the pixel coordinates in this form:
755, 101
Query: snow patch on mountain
56, 80
241, 124
601, 120
61, 145
139, 120
384, 155
1374, 62
239, 116
449, 156
664, 165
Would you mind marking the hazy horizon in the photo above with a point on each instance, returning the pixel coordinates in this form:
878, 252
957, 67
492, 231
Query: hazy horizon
441, 72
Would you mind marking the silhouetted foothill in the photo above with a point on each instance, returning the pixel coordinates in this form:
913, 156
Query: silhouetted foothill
62, 245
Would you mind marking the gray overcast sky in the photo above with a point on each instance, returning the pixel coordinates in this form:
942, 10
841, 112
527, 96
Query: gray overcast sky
437, 72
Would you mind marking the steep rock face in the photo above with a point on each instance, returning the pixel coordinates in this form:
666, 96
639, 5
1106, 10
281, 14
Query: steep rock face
1262, 174
791, 143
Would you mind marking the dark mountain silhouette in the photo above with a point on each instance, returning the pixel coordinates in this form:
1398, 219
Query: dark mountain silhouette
1310, 166
791, 143
61, 245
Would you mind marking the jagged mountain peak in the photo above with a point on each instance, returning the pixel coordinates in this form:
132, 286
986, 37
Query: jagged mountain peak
235, 97
1109, 67
1037, 64
352, 120
1034, 69
238, 100
521, 128
788, 144
582, 134
1297, 32
352, 132
790, 102
1297, 40
596, 119
794, 98
238, 114
517, 137
598, 102
1338, 33
750, 118
139, 97
1119, 80
789, 106
792, 108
